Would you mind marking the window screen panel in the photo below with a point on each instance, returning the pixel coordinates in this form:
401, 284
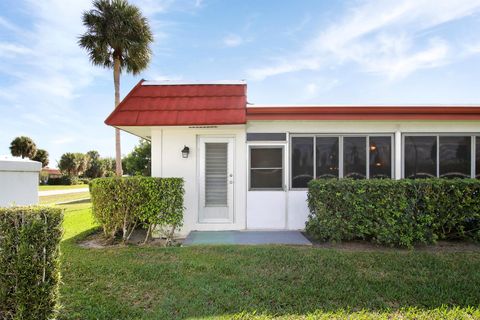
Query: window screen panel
420, 159
455, 157
380, 149
354, 157
326, 157
302, 161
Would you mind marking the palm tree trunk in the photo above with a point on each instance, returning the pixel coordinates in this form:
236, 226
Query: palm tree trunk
118, 152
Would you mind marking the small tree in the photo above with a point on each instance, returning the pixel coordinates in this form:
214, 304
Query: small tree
139, 161
96, 168
109, 165
41, 156
23, 147
73, 164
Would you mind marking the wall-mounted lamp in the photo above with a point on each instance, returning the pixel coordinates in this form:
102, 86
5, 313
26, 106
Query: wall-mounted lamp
185, 152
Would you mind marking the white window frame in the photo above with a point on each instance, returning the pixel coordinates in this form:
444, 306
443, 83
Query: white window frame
437, 135
341, 137
266, 146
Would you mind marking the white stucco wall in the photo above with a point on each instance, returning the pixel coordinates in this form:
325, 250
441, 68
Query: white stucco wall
264, 209
167, 161
18, 181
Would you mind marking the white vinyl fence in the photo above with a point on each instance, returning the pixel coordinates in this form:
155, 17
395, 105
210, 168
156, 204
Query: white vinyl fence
18, 181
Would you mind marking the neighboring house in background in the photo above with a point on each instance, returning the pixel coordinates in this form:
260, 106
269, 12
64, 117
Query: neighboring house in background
18, 181
49, 173
52, 172
247, 166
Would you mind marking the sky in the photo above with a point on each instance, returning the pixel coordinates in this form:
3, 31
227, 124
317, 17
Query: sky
289, 52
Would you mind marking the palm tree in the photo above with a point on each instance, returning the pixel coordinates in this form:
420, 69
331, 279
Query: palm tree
118, 36
23, 147
41, 156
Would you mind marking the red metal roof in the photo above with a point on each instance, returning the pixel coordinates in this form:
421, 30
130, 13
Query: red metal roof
222, 103
363, 113
177, 104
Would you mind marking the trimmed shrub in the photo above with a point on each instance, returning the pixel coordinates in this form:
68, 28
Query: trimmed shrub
394, 212
29, 262
64, 181
120, 204
84, 180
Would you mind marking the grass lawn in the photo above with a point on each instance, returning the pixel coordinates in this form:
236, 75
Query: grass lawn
261, 282
63, 197
75, 186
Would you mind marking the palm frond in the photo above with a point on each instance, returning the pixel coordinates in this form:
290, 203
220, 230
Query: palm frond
117, 29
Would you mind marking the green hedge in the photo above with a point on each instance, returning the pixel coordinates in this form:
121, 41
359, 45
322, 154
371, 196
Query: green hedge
29, 262
394, 212
121, 204
64, 180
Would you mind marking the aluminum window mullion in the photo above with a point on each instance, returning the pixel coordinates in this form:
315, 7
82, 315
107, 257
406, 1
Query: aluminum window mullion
392, 157
473, 142
438, 156
314, 157
340, 157
367, 156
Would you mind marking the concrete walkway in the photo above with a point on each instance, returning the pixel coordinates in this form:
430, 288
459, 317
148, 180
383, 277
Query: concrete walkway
246, 237
64, 191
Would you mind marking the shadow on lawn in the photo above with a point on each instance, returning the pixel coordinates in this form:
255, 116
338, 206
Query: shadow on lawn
223, 281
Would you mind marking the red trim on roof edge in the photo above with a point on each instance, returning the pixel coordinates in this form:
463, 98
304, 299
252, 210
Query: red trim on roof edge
364, 113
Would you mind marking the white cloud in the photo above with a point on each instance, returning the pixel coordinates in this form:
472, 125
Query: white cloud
64, 140
379, 36
233, 40
11, 49
153, 7
31, 117
311, 89
472, 48
48, 73
4, 23
318, 86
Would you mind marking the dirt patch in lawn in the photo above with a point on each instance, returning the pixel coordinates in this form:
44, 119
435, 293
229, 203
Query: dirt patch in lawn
360, 245
97, 241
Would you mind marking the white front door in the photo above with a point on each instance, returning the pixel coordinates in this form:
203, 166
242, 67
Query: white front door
216, 180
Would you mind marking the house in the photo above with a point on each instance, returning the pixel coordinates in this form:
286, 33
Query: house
51, 172
247, 166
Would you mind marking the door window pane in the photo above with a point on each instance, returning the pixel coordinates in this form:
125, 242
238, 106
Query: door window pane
326, 157
266, 157
380, 149
266, 179
266, 168
455, 157
477, 157
302, 161
420, 156
354, 157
